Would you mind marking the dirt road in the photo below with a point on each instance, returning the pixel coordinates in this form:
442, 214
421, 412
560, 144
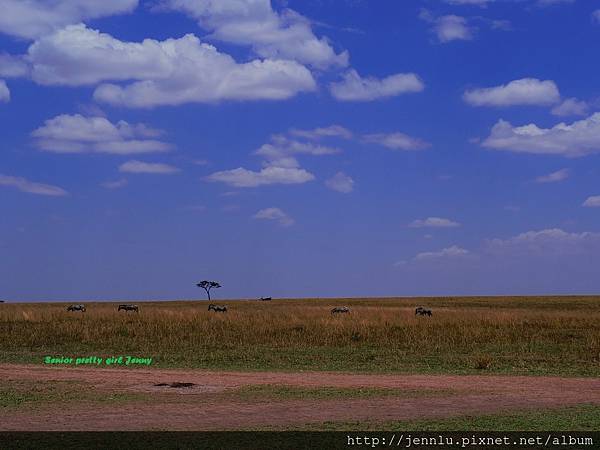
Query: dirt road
196, 408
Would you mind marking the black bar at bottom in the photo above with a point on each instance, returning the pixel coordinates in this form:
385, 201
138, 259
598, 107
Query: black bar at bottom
298, 440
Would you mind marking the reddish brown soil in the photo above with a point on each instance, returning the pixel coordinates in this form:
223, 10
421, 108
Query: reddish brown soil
201, 410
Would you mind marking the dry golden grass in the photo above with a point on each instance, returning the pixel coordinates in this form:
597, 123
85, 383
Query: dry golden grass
559, 335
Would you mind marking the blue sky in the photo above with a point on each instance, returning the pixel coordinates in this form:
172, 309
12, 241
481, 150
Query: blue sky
300, 148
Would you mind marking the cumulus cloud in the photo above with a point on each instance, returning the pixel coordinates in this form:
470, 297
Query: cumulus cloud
469, 2
396, 141
116, 184
13, 66
434, 222
571, 107
548, 242
552, 2
31, 19
280, 165
271, 34
169, 72
280, 151
449, 252
245, 178
79, 134
452, 28
592, 202
448, 28
526, 91
355, 88
4, 92
30, 187
554, 177
135, 166
340, 182
578, 139
274, 214
323, 132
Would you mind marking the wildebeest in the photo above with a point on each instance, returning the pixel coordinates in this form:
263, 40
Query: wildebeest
265, 299
420, 311
76, 308
340, 309
217, 308
128, 308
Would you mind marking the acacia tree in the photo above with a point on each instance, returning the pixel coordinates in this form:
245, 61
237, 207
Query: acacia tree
208, 285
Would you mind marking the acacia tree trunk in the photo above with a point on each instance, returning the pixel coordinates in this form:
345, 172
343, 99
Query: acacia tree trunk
208, 292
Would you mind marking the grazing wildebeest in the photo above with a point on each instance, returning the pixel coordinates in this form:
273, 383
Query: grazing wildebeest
76, 308
265, 299
128, 308
217, 308
420, 311
340, 309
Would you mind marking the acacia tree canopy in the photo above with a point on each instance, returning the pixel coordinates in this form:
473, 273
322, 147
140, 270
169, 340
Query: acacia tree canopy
208, 285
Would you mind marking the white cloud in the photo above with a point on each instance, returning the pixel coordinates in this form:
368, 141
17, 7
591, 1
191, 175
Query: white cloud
355, 88
30, 187
34, 18
284, 35
77, 55
4, 92
434, 222
469, 2
279, 152
578, 139
452, 28
526, 91
545, 242
448, 28
280, 165
552, 2
244, 178
571, 107
592, 202
169, 72
116, 184
553, 177
274, 214
135, 166
79, 134
450, 252
340, 182
13, 66
396, 141
317, 133
503, 25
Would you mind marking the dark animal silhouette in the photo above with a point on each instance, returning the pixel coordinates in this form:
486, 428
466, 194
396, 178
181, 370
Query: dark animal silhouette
76, 308
420, 311
340, 309
217, 308
265, 299
128, 308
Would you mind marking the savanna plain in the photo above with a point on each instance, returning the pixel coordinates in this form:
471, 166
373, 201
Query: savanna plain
478, 363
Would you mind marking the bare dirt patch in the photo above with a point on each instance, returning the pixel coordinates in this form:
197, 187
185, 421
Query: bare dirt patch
199, 409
